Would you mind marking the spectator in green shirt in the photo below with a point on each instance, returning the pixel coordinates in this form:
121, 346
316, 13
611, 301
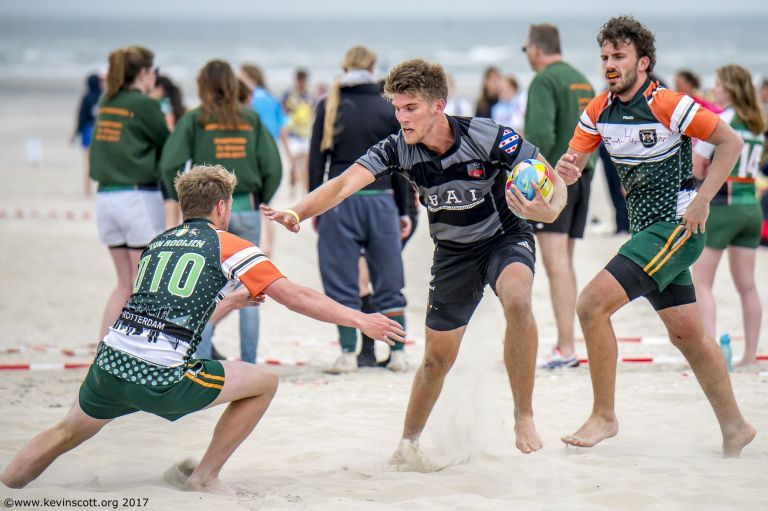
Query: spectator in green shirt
221, 131
128, 137
556, 97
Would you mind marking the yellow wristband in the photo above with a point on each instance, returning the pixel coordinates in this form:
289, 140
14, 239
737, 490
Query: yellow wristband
294, 214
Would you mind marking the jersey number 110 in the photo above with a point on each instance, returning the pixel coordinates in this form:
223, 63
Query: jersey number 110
190, 264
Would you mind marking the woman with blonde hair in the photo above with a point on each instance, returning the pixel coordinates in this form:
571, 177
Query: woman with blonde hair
735, 218
222, 131
350, 119
128, 137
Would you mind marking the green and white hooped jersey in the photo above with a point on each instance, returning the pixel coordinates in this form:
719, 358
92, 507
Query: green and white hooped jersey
648, 139
739, 188
183, 273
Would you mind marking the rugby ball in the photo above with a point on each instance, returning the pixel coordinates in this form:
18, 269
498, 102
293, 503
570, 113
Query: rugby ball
528, 172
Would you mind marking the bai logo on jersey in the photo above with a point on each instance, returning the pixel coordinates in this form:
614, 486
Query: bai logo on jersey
648, 138
475, 169
509, 141
453, 200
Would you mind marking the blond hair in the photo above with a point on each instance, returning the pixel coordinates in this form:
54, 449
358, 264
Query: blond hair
201, 188
357, 57
737, 82
125, 65
418, 78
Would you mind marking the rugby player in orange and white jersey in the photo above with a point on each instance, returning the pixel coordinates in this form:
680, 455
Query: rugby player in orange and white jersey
146, 362
646, 130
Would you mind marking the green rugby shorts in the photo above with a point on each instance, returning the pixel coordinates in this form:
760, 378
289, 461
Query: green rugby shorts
665, 251
737, 225
106, 396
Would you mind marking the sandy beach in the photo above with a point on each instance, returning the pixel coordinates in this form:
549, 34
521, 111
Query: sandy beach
325, 441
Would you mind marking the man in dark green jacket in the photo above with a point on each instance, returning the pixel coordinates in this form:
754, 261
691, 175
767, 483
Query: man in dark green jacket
556, 97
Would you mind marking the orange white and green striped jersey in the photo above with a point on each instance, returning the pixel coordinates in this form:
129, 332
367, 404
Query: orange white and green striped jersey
739, 188
648, 139
182, 274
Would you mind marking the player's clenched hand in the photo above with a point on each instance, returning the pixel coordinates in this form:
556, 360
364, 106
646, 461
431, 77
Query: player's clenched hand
255, 301
285, 218
695, 217
238, 299
567, 168
381, 328
241, 297
537, 209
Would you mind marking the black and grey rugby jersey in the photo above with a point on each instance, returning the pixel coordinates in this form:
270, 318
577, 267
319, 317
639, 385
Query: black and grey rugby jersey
462, 189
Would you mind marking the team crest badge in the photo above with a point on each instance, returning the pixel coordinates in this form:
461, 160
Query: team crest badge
648, 137
475, 169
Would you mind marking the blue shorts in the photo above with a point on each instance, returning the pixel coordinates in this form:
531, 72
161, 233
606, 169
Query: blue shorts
85, 135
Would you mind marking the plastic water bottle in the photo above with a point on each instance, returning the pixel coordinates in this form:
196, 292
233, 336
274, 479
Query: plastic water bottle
725, 345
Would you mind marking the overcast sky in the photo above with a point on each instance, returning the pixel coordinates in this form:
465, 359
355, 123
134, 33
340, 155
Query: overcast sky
385, 8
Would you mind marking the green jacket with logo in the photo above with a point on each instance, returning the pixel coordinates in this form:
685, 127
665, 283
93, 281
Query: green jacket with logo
128, 138
248, 150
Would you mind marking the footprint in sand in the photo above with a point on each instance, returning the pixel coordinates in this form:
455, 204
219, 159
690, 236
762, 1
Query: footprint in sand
178, 474
246, 495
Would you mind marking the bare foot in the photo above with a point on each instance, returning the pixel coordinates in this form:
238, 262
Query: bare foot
746, 362
595, 430
526, 438
408, 457
181, 474
734, 442
215, 486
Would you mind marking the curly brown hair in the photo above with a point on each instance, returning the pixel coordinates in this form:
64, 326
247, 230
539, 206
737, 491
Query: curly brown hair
626, 28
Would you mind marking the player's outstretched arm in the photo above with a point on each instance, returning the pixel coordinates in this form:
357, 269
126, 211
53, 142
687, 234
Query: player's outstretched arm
318, 306
323, 198
570, 165
728, 146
